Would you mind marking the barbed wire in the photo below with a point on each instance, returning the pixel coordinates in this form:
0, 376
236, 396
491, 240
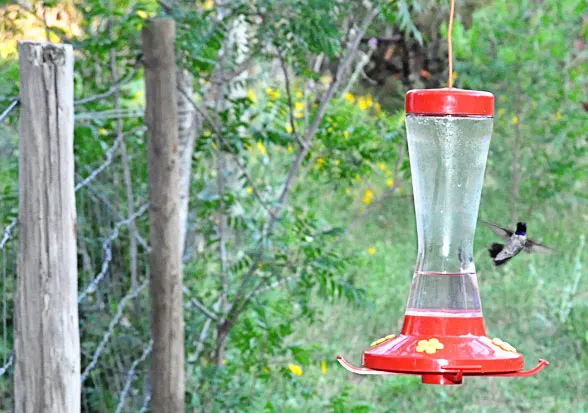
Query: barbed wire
131, 376
119, 216
107, 247
110, 114
146, 401
7, 233
5, 368
113, 323
121, 113
109, 158
103, 166
13, 104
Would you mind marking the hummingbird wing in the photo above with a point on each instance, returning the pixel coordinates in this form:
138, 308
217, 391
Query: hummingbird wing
498, 230
532, 246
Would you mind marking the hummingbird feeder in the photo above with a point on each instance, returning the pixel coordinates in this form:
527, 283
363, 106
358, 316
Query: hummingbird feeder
444, 337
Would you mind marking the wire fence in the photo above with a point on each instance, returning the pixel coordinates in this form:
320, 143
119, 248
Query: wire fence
113, 307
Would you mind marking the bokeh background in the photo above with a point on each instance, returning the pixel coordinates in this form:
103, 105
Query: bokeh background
337, 259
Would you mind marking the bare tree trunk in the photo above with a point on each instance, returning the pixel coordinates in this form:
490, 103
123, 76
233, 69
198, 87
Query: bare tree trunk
167, 363
189, 123
47, 344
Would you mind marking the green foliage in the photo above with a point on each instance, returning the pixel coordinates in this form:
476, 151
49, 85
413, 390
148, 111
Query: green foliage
526, 54
333, 271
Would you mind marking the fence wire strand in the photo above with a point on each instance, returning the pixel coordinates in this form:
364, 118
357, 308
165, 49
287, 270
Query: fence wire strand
109, 159
131, 376
5, 368
112, 325
8, 232
107, 247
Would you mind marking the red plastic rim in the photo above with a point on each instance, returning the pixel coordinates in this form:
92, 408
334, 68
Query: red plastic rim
451, 101
457, 344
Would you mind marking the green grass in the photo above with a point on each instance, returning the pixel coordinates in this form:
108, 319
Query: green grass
524, 303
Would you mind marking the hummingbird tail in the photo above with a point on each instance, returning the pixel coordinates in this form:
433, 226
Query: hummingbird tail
494, 250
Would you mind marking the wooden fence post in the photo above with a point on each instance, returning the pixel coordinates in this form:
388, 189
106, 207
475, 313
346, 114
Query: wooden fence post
161, 117
47, 341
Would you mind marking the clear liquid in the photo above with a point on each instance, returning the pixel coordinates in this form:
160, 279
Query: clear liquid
444, 295
447, 158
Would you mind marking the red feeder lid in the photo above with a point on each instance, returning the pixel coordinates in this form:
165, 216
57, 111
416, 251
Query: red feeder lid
450, 101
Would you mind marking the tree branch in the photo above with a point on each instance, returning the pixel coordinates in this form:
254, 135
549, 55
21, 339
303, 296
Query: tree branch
112, 90
222, 250
217, 130
290, 103
196, 303
236, 308
310, 133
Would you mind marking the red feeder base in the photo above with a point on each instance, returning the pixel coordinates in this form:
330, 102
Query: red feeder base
442, 350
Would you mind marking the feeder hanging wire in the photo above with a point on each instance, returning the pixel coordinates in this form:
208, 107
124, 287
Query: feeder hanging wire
449, 44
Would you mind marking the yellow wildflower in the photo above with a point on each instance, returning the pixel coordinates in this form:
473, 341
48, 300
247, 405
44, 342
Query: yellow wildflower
320, 162
390, 182
558, 115
213, 144
347, 191
515, 120
102, 131
357, 178
290, 149
323, 367
381, 340
326, 80
251, 95
261, 147
275, 95
299, 95
501, 111
266, 370
382, 166
298, 115
337, 162
368, 196
206, 132
249, 190
288, 127
388, 173
429, 346
346, 134
377, 107
371, 250
208, 4
296, 369
299, 105
365, 102
349, 97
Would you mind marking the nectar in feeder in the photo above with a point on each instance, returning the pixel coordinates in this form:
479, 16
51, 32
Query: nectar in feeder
444, 337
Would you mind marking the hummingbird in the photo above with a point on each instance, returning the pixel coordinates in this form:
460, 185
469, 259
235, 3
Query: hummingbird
517, 241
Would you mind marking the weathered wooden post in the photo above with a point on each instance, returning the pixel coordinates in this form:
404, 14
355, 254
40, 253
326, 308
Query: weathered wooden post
47, 343
161, 117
